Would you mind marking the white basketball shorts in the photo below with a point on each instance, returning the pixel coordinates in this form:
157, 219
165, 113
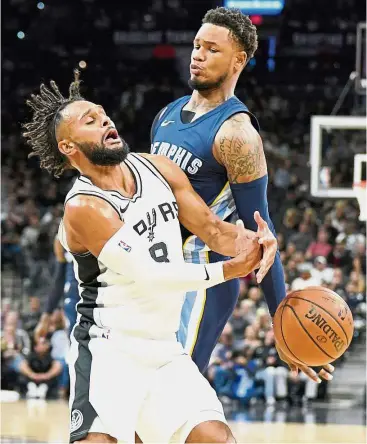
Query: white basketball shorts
150, 387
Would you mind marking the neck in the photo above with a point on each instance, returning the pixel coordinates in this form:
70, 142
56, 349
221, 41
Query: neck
117, 177
210, 98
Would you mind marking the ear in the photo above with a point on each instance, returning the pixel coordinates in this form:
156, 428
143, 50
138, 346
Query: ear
66, 147
241, 60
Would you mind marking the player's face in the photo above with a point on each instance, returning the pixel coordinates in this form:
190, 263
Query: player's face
214, 58
86, 127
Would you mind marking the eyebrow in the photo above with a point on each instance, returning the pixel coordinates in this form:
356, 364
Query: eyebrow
207, 41
89, 110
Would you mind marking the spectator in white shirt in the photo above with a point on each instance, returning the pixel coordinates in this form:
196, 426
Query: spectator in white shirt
305, 280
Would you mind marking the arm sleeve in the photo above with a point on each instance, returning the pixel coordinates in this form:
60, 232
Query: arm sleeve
122, 253
250, 197
57, 290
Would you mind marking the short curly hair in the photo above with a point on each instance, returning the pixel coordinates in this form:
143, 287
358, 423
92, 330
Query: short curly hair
40, 132
240, 26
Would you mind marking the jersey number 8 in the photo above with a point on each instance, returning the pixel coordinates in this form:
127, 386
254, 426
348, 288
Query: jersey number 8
159, 252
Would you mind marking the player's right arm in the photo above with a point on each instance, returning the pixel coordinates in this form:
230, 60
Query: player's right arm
93, 225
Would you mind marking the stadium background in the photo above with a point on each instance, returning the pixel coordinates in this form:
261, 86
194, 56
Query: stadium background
134, 59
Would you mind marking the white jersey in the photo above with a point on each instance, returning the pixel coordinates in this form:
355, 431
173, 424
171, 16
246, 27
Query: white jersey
113, 301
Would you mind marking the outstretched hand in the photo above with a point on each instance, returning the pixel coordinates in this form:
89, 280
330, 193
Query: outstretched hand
270, 246
324, 373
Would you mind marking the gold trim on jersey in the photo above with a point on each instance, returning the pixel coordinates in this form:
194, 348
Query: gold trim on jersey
222, 206
195, 339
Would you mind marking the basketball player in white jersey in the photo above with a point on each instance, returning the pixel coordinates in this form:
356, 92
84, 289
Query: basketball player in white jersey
121, 224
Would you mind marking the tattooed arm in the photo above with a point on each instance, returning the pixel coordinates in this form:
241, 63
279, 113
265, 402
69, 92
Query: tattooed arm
238, 147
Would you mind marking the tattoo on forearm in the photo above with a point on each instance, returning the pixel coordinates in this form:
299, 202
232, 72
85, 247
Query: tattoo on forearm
241, 152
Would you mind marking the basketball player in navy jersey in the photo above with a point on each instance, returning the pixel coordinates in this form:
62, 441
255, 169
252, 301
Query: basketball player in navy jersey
64, 285
214, 138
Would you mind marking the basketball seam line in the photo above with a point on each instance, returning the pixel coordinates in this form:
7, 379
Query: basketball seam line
308, 334
332, 316
281, 329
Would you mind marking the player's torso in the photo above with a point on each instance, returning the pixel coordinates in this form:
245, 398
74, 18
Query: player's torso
116, 301
190, 145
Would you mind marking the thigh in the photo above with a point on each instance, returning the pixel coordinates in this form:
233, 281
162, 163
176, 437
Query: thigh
106, 388
204, 315
179, 395
118, 387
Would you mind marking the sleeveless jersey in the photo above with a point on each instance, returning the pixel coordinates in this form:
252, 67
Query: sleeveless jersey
114, 301
189, 145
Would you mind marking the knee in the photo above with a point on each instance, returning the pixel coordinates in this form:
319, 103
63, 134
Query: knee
211, 432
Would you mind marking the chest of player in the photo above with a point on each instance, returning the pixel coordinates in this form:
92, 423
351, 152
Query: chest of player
153, 220
188, 146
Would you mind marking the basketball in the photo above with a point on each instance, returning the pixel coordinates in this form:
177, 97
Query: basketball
313, 326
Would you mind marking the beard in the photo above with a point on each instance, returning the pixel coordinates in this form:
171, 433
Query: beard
205, 86
99, 155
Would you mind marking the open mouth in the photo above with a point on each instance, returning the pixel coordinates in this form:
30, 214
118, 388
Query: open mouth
112, 135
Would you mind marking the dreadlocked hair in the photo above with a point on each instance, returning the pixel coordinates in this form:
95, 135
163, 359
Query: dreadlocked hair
240, 26
40, 132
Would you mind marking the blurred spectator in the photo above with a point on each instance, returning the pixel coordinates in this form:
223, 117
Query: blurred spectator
289, 224
320, 247
321, 272
255, 295
340, 256
250, 340
31, 317
271, 370
40, 370
305, 279
303, 238
282, 178
15, 345
239, 321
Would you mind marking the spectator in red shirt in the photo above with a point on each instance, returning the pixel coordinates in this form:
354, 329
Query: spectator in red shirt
321, 246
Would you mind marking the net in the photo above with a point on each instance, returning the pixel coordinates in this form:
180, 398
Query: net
360, 193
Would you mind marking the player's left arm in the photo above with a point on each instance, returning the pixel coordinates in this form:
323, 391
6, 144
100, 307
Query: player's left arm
196, 216
238, 147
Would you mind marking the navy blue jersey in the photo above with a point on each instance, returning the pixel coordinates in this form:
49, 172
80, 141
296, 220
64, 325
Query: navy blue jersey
71, 284
71, 292
190, 146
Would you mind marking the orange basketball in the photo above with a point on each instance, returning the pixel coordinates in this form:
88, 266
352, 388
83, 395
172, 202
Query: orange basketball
313, 326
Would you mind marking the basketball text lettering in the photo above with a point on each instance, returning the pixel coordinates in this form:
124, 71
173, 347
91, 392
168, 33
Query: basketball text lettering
181, 156
321, 322
167, 210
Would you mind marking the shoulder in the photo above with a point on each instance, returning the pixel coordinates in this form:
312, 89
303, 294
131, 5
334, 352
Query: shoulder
83, 202
239, 124
169, 170
84, 207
